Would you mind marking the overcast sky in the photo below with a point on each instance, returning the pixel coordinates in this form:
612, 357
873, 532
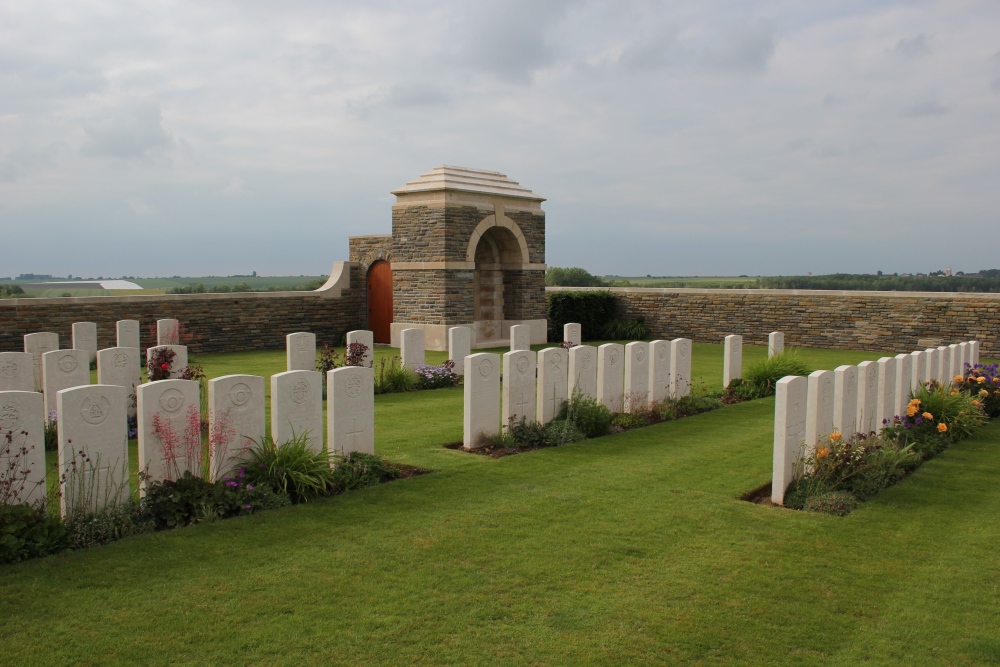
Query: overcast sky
670, 138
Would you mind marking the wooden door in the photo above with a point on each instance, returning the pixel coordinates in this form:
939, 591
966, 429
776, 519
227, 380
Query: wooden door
380, 301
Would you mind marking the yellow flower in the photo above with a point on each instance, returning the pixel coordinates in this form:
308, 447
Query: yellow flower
942, 427
984, 393
836, 436
910, 411
959, 378
927, 415
981, 379
915, 401
822, 452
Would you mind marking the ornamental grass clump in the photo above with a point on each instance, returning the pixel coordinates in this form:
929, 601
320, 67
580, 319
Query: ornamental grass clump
392, 377
763, 375
292, 467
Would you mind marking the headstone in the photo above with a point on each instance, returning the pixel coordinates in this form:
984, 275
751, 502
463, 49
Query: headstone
845, 400
411, 347
867, 397
127, 333
22, 444
459, 347
583, 370
964, 356
732, 359
637, 375
955, 356
659, 371
931, 363
518, 390
775, 343
520, 337
93, 447
350, 409
789, 433
300, 351
17, 372
366, 338
169, 429
63, 369
904, 383
37, 344
553, 383
611, 376
680, 364
944, 365
297, 407
120, 366
974, 352
85, 338
481, 418
886, 408
179, 363
235, 420
819, 407
573, 333
168, 332
917, 369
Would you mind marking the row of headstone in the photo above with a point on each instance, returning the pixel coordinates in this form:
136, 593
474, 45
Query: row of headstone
300, 349
84, 338
732, 363
534, 388
854, 399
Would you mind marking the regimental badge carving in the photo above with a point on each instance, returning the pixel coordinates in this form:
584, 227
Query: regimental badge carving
585, 360
302, 344
95, 410
556, 360
827, 391
8, 369
872, 380
240, 394
662, 353
486, 368
121, 360
354, 387
171, 400
640, 354
10, 416
300, 391
522, 365
613, 357
128, 327
67, 363
683, 350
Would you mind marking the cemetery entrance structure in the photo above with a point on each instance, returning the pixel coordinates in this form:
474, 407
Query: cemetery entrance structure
467, 248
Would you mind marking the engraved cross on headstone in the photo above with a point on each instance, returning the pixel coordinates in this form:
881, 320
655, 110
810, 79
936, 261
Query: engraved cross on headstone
355, 433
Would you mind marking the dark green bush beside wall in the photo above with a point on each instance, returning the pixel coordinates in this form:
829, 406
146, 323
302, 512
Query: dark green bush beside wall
593, 310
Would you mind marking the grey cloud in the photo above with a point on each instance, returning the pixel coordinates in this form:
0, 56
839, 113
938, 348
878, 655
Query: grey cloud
914, 47
925, 108
128, 131
27, 79
398, 96
651, 51
747, 49
995, 86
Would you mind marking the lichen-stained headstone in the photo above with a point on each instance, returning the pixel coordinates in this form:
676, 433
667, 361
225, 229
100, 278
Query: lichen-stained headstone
62, 369
37, 344
553, 383
583, 370
93, 447
350, 409
481, 419
297, 407
300, 351
22, 446
611, 376
120, 366
789, 433
17, 372
637, 375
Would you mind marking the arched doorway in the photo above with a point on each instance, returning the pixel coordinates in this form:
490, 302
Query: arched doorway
380, 301
496, 250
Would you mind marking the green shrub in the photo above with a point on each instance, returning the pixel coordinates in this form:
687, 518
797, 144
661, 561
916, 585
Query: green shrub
838, 503
293, 468
593, 310
393, 377
628, 420
27, 532
180, 502
358, 470
936, 417
687, 406
110, 524
51, 433
588, 414
562, 432
572, 277
527, 434
763, 375
625, 330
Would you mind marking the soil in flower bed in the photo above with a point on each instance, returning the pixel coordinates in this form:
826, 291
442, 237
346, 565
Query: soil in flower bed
492, 451
759, 496
409, 471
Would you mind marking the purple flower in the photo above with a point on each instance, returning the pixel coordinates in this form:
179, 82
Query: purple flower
249, 507
249, 487
920, 420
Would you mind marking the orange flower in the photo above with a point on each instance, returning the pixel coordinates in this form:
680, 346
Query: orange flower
954, 392
984, 393
975, 403
910, 411
972, 379
822, 452
942, 427
836, 436
959, 378
915, 401
927, 415
981, 379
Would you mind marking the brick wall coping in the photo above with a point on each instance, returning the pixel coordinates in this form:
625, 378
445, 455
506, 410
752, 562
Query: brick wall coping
781, 292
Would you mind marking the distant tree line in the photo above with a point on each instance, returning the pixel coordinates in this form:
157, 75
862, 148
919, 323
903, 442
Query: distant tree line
201, 288
11, 292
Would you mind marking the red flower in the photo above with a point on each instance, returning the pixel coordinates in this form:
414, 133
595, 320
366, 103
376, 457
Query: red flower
165, 367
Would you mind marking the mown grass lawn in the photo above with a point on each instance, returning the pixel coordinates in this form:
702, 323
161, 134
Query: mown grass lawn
629, 549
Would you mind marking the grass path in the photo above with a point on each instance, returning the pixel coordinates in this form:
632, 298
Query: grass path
629, 549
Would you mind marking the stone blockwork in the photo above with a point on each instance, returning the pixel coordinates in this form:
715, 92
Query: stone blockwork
366, 250
218, 322
432, 296
520, 293
880, 321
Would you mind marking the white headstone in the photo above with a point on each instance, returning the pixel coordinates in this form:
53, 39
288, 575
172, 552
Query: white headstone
297, 407
789, 433
127, 333
583, 370
17, 372
520, 337
732, 359
22, 445
931, 363
573, 333
917, 369
179, 363
637, 376
85, 338
845, 400
350, 409
611, 376
459, 347
974, 352
93, 447
518, 391
169, 429
964, 356
944, 365
300, 351
411, 347
366, 338
37, 344
819, 407
659, 371
955, 357
680, 365
120, 366
775, 343
482, 399
235, 420
553, 383
867, 397
168, 332
886, 408
904, 383
63, 369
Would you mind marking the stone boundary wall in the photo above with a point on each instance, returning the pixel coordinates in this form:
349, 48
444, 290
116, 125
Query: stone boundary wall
842, 320
219, 322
